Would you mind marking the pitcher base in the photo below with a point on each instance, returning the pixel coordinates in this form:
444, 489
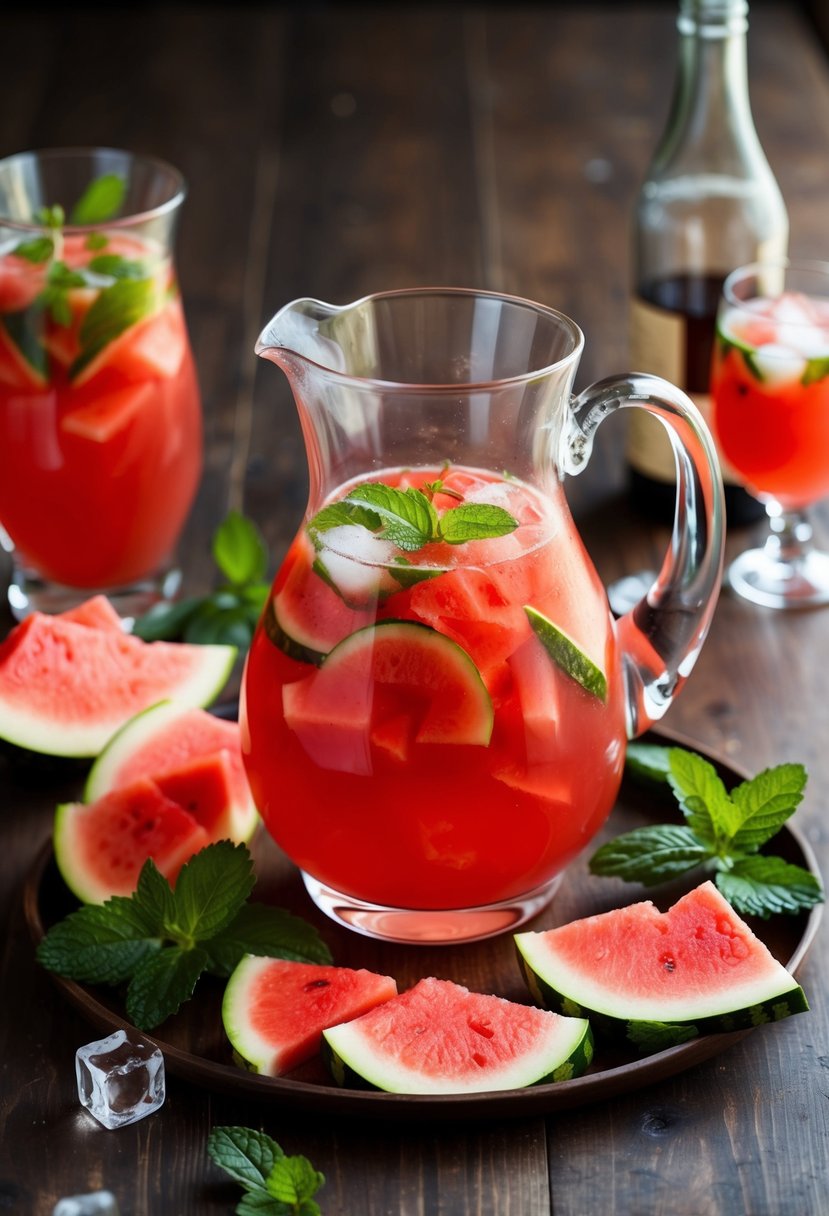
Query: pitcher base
425, 926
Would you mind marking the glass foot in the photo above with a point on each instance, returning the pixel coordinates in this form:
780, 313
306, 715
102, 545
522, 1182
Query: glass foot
428, 927
28, 592
799, 583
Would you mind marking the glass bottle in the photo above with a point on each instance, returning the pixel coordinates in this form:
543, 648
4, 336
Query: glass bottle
709, 203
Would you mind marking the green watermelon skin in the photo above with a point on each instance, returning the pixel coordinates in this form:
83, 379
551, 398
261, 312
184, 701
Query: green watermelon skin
714, 1006
275, 1010
440, 1038
100, 847
67, 685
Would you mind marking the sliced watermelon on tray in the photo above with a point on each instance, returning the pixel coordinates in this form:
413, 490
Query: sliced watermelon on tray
274, 1011
440, 1038
660, 978
66, 685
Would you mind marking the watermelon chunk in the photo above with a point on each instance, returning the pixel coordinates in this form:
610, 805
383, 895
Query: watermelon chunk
274, 1011
440, 1038
65, 688
188, 752
660, 978
101, 847
102, 418
378, 673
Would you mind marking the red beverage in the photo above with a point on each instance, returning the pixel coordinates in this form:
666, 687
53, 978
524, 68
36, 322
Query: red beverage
410, 740
100, 422
770, 385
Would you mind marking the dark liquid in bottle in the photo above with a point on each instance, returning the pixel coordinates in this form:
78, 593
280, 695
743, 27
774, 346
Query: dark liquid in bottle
697, 298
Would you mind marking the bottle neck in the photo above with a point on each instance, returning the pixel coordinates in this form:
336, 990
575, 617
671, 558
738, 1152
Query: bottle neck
710, 120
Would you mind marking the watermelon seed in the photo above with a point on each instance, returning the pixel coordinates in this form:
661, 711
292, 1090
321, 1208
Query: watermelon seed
668, 962
482, 1028
315, 984
478, 1059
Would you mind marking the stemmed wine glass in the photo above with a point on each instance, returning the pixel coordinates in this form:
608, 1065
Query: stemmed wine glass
770, 390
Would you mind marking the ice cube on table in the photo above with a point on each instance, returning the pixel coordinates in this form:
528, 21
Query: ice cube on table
97, 1203
120, 1078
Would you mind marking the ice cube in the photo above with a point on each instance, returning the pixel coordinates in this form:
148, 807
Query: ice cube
779, 364
97, 1203
120, 1078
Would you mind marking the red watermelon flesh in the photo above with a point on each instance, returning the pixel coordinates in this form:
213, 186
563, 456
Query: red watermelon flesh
95, 613
274, 1011
100, 847
697, 960
204, 787
65, 688
173, 743
439, 1037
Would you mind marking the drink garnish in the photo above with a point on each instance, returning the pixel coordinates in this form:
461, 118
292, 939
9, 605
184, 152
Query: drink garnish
567, 655
409, 519
723, 831
274, 1184
116, 307
161, 939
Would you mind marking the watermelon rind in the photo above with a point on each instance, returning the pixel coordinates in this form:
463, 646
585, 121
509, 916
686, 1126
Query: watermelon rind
63, 732
703, 1003
307, 997
440, 1038
159, 721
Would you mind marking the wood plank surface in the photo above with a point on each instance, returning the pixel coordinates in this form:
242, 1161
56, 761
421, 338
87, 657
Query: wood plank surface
333, 150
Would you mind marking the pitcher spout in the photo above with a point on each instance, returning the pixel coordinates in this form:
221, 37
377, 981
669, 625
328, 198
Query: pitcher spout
302, 332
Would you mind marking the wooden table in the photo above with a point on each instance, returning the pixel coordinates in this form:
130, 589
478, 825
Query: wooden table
335, 150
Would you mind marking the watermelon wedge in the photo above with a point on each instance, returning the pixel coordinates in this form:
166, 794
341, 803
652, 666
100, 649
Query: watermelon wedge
660, 978
101, 847
440, 1038
192, 755
274, 1011
66, 687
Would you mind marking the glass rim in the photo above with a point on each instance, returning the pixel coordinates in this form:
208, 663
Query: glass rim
755, 269
265, 347
177, 195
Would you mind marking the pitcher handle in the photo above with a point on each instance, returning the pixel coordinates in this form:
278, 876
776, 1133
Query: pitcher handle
661, 636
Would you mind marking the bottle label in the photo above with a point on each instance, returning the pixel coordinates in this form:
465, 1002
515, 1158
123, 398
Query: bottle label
658, 346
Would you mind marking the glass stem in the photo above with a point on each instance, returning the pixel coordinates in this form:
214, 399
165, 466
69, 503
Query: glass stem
791, 535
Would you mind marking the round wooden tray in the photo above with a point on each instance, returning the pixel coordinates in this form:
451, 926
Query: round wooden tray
195, 1047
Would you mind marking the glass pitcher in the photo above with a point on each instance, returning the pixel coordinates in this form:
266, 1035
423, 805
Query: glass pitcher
437, 699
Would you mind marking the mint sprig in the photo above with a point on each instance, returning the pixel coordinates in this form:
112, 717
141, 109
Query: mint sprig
160, 939
409, 519
274, 1184
229, 614
724, 832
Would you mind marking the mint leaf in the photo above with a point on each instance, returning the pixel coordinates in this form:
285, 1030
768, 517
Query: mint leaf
408, 518
765, 803
761, 886
649, 855
162, 940
96, 240
723, 831
702, 796
37, 250
101, 200
239, 550
118, 307
475, 521
816, 369
294, 1182
649, 760
338, 514
270, 932
117, 267
210, 889
162, 983
99, 943
50, 217
248, 1156
274, 1184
